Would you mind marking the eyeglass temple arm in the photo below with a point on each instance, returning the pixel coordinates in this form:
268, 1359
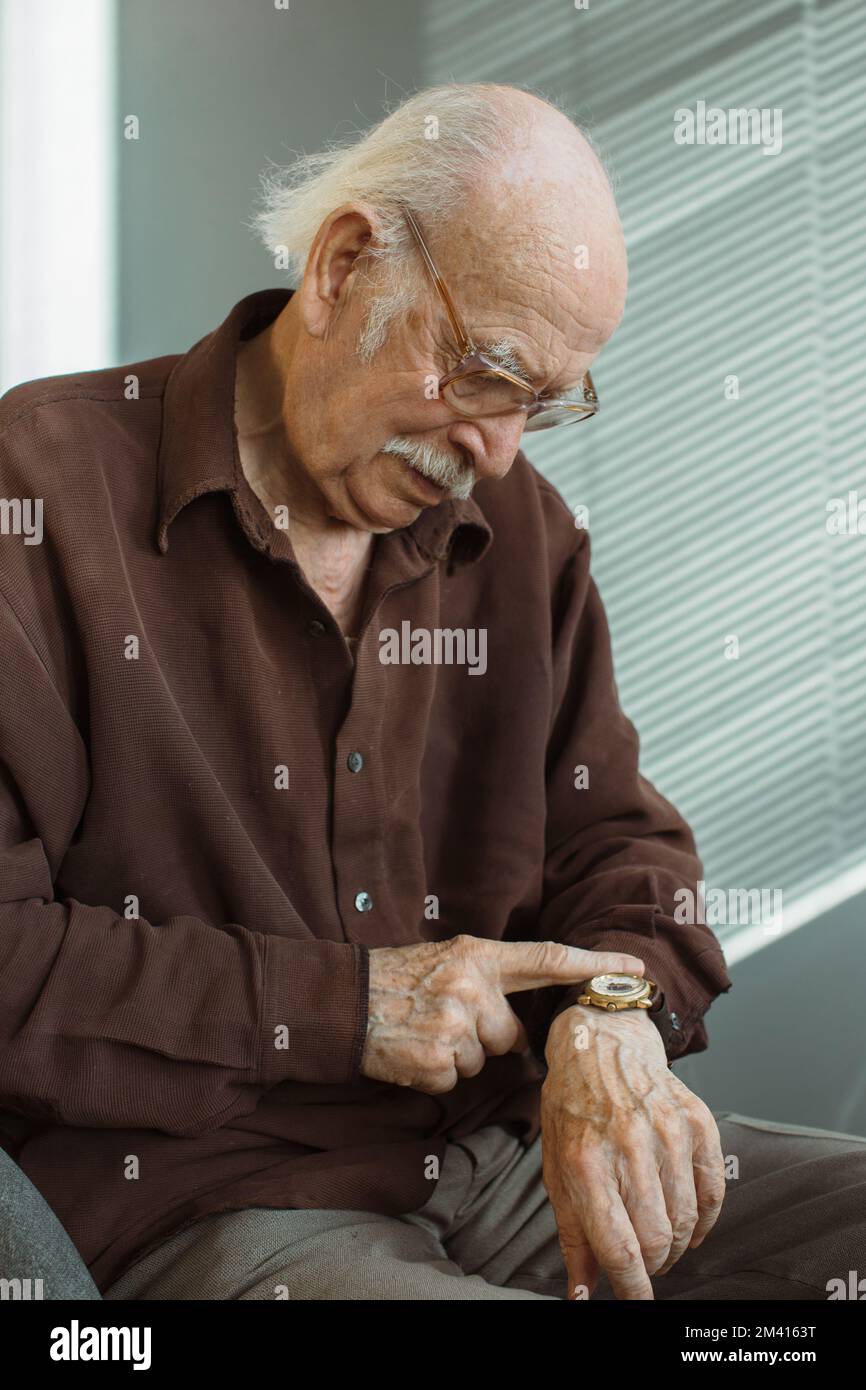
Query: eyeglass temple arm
466, 344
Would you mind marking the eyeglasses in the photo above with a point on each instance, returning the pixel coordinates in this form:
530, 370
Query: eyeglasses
477, 386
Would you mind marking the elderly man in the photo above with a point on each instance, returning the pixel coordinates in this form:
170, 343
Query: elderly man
324, 839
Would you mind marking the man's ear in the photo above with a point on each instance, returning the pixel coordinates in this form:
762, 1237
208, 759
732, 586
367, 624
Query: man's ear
330, 274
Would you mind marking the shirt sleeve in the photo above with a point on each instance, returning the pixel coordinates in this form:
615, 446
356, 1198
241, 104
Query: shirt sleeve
617, 852
107, 1021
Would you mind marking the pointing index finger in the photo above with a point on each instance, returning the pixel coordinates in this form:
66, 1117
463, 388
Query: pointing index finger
536, 964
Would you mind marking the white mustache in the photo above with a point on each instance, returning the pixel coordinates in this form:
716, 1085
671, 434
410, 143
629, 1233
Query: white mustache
456, 477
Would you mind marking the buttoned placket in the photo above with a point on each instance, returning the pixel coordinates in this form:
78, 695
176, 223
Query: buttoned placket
360, 807
360, 802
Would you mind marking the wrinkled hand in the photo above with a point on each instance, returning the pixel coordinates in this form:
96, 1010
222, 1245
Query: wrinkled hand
632, 1159
438, 1010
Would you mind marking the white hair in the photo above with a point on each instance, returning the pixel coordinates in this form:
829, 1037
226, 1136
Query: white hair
428, 152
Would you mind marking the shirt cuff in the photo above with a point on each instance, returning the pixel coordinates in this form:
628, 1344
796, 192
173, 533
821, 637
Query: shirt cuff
314, 1012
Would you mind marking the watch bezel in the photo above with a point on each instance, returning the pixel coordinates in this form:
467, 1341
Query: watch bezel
594, 991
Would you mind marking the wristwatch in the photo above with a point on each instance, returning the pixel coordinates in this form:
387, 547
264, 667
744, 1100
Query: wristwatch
615, 992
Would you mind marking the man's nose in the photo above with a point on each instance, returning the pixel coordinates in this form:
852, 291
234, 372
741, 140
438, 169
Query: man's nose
493, 441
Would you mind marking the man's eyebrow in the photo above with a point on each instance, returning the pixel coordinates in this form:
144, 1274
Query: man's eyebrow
506, 355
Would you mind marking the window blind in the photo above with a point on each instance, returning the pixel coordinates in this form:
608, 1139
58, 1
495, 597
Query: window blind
708, 515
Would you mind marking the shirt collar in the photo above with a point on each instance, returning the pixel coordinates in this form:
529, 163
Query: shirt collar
198, 448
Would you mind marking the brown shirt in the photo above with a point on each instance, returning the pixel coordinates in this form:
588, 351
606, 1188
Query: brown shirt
209, 812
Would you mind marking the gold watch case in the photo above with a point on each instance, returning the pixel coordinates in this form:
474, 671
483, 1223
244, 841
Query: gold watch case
613, 992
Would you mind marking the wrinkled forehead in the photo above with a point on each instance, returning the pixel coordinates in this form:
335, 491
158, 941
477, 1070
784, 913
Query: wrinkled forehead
556, 277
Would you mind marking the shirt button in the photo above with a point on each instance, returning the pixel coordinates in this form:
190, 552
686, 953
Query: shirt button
355, 762
316, 629
363, 902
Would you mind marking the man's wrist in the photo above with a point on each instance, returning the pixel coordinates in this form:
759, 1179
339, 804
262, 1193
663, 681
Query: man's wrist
596, 1022
600, 1016
666, 1023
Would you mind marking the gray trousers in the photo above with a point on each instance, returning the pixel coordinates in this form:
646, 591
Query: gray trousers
37, 1258
794, 1218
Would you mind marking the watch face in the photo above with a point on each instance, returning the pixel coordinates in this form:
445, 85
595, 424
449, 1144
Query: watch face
618, 986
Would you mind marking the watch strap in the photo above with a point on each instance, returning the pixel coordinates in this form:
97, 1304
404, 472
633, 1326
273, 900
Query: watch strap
661, 1016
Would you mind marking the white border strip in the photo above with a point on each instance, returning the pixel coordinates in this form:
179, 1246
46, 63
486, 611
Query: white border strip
846, 885
58, 147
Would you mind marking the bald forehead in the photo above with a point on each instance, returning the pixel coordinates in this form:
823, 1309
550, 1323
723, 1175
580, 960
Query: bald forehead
534, 253
543, 265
